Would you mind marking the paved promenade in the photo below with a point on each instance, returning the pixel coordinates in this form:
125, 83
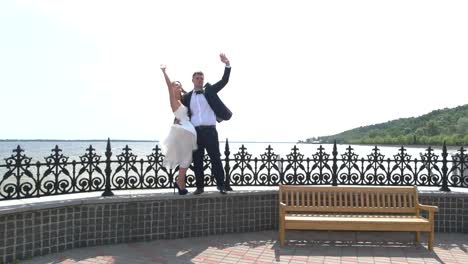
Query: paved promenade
262, 247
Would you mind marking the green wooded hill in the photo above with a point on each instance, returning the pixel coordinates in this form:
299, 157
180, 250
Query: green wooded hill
448, 124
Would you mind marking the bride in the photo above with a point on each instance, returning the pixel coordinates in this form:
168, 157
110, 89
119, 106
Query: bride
182, 138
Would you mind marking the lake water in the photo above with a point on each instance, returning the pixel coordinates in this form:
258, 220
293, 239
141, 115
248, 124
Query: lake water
37, 150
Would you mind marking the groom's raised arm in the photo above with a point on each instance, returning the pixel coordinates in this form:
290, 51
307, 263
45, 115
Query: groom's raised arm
227, 72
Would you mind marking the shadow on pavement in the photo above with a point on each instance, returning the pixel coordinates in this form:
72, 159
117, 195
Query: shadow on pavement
263, 246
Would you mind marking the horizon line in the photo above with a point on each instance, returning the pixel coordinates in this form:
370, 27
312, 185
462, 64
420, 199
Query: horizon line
139, 140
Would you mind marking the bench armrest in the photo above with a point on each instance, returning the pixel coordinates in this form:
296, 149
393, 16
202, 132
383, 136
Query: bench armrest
282, 209
428, 208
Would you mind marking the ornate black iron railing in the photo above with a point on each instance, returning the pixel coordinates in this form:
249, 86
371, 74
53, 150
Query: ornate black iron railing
57, 175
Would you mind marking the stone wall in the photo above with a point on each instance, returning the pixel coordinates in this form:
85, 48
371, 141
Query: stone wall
56, 226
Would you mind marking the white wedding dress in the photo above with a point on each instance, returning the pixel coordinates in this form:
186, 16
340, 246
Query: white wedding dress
181, 141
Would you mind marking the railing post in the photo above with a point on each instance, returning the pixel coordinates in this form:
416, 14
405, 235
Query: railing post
279, 163
108, 170
444, 187
227, 181
281, 179
335, 166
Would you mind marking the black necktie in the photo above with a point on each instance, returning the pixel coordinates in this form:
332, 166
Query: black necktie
199, 92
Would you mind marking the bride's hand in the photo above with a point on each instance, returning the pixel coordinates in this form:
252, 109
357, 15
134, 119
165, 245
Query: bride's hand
163, 67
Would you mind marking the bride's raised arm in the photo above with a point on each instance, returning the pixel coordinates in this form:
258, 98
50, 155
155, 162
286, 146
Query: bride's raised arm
168, 81
174, 102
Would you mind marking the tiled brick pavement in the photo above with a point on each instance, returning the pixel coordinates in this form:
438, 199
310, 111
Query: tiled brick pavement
262, 247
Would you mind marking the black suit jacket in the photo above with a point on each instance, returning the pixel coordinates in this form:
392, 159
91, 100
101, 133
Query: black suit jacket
211, 95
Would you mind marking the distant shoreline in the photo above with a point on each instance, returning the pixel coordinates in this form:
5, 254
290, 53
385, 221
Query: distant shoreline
239, 141
437, 146
76, 140
128, 140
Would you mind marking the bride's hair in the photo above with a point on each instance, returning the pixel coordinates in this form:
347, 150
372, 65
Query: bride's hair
181, 87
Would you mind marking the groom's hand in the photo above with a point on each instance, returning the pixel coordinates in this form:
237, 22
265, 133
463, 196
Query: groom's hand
224, 59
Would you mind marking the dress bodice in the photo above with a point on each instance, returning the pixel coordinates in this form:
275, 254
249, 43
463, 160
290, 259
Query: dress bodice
182, 113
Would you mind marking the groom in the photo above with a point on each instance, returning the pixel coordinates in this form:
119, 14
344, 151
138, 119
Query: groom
205, 108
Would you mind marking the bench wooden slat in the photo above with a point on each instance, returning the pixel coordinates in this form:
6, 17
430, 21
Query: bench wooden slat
357, 219
297, 198
304, 202
378, 199
346, 198
351, 210
313, 199
364, 226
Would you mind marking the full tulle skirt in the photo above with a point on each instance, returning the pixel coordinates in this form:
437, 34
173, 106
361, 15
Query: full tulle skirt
179, 146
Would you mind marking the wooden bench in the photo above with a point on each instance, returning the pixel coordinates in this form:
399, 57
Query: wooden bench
354, 209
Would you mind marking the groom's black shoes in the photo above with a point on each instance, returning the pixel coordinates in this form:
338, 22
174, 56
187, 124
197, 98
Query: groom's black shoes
198, 191
228, 188
221, 190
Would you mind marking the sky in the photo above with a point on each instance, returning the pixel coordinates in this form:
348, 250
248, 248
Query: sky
89, 69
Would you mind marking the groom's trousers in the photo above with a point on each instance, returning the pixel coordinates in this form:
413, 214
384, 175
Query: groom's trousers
207, 138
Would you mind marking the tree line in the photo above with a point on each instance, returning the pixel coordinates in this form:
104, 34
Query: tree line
449, 125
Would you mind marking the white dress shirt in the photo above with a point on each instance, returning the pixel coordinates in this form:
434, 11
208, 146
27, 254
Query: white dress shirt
202, 114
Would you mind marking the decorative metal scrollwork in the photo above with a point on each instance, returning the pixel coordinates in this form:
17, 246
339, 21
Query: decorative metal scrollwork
270, 168
376, 171
20, 178
349, 171
320, 167
295, 172
155, 173
56, 179
90, 176
14, 184
429, 172
242, 169
399, 174
459, 169
126, 164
